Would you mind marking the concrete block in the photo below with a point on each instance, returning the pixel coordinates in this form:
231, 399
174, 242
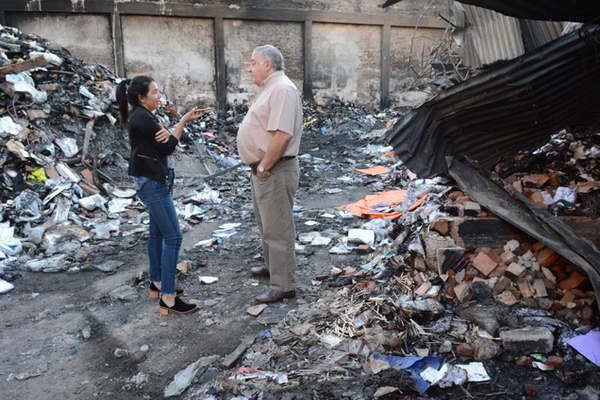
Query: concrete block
528, 340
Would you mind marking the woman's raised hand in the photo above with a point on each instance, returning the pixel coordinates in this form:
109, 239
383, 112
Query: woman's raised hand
193, 114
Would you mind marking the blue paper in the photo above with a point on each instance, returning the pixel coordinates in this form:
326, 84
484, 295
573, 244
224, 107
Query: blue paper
412, 364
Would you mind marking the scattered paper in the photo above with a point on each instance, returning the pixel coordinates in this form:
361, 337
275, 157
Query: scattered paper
475, 372
208, 280
5, 287
588, 345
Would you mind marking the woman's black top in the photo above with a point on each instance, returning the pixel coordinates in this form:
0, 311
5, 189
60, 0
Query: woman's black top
148, 157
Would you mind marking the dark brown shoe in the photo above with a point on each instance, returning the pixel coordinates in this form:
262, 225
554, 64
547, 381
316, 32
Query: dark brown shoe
274, 295
260, 271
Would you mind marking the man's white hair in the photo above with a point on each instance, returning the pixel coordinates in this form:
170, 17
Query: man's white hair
271, 53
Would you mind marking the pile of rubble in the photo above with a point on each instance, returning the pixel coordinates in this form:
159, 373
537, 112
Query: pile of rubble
563, 175
65, 198
425, 311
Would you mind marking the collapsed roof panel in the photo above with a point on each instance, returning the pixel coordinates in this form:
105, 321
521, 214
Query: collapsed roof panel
514, 106
555, 10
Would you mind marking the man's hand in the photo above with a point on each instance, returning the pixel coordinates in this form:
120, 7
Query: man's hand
263, 175
162, 136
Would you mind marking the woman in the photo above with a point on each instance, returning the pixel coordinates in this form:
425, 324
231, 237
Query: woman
151, 166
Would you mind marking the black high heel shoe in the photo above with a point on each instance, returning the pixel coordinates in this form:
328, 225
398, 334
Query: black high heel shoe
180, 307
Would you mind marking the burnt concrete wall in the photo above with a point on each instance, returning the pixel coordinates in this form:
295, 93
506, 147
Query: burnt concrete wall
346, 62
406, 7
68, 30
241, 37
177, 52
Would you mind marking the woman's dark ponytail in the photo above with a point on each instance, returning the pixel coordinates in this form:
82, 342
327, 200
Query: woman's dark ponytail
122, 102
129, 92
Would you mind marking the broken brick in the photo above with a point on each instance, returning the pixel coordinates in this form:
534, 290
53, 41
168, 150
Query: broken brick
502, 284
549, 275
455, 195
525, 288
508, 257
547, 257
461, 290
573, 281
484, 264
441, 226
499, 271
515, 269
518, 186
537, 198
568, 297
538, 180
465, 350
507, 297
537, 246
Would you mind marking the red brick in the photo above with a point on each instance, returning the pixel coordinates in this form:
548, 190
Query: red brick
507, 297
515, 269
547, 257
461, 290
555, 362
484, 264
441, 226
508, 257
537, 179
465, 350
573, 281
537, 246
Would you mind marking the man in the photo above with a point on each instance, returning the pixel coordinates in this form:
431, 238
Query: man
268, 141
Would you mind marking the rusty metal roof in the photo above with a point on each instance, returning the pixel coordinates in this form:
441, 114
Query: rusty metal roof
546, 10
489, 36
511, 107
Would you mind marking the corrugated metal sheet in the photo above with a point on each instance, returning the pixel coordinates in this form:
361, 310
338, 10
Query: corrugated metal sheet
489, 36
545, 10
538, 33
511, 107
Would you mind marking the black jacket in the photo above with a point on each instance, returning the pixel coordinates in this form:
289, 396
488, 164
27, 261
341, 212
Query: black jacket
148, 157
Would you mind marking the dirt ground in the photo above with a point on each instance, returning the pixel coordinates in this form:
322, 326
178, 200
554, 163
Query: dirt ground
64, 336
59, 332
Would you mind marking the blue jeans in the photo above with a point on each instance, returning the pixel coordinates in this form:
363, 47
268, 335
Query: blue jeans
165, 236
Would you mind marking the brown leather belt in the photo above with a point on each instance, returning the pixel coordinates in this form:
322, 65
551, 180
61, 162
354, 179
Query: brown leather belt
255, 165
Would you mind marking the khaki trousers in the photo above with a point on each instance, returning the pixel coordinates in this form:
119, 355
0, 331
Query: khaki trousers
273, 199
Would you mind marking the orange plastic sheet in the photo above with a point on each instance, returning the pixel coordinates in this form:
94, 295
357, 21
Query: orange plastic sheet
418, 203
378, 170
364, 207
